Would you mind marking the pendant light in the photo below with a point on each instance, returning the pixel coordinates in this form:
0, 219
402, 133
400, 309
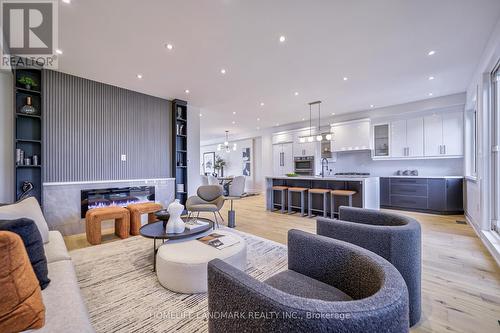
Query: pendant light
226, 145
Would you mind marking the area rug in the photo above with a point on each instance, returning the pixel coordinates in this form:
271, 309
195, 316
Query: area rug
123, 294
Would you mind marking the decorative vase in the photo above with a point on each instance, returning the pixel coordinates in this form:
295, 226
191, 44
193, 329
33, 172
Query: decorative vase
175, 224
28, 108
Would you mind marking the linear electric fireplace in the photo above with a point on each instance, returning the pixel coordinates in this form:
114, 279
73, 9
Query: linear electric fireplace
116, 197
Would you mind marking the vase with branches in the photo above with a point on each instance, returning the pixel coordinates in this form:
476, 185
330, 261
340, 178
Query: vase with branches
219, 165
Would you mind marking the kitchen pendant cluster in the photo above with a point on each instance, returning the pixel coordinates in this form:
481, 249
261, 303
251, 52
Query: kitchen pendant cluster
319, 137
226, 145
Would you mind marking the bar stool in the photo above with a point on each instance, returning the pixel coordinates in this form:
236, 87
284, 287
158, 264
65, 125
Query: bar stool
325, 193
302, 191
282, 189
341, 193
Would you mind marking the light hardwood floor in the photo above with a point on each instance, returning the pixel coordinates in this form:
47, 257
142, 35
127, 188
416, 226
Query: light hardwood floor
460, 281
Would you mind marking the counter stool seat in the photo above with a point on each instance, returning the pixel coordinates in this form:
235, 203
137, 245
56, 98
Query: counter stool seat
340, 193
302, 207
323, 191
282, 205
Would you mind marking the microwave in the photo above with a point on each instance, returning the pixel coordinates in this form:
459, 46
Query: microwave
304, 165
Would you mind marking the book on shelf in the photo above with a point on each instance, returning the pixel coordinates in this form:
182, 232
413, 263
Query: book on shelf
219, 241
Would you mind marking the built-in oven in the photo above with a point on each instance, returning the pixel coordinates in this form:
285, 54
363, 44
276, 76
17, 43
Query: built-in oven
304, 165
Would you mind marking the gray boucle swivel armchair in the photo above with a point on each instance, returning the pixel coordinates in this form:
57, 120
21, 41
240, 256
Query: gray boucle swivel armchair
330, 286
209, 198
396, 238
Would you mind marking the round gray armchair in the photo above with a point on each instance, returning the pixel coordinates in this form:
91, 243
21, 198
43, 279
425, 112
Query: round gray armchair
209, 198
330, 286
394, 237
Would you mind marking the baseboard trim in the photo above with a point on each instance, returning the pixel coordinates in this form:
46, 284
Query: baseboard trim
489, 240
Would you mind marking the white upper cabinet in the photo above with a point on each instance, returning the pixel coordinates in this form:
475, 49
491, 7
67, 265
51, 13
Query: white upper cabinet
351, 135
415, 137
433, 138
453, 134
398, 138
444, 135
304, 149
407, 138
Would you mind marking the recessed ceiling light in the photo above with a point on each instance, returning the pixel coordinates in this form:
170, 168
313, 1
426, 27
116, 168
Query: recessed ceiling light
139, 76
277, 124
431, 78
66, 1
234, 112
261, 103
296, 93
431, 52
233, 122
223, 71
58, 51
186, 91
282, 39
333, 113
201, 115
258, 119
303, 119
430, 94
169, 46
371, 105
345, 78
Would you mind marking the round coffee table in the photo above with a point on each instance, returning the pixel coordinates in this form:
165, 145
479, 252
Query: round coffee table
156, 231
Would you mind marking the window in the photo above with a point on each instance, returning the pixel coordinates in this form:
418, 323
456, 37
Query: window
471, 142
495, 154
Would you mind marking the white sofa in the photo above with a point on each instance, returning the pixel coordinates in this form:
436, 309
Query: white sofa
65, 310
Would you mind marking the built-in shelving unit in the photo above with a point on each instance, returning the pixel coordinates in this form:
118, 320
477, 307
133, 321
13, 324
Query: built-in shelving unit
179, 149
28, 132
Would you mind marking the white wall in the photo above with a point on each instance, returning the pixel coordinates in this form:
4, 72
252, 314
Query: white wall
479, 189
6, 139
234, 164
193, 149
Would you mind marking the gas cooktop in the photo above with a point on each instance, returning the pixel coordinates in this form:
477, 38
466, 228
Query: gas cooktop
353, 174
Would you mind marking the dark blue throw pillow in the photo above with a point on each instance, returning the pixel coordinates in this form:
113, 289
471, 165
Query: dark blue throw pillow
32, 240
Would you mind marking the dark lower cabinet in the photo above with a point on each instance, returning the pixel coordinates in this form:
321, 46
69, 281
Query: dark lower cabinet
432, 195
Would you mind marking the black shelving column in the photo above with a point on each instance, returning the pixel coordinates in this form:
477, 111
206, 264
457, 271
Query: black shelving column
28, 134
179, 149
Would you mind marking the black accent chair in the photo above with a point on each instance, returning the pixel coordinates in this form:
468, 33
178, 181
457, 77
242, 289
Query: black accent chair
330, 286
395, 237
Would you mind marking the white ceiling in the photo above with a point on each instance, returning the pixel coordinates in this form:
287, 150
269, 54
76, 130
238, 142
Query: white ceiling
381, 46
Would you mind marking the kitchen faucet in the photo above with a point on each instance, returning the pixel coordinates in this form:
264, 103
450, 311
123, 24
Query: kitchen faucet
323, 160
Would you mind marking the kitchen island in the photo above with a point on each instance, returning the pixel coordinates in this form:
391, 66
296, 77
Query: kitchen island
367, 188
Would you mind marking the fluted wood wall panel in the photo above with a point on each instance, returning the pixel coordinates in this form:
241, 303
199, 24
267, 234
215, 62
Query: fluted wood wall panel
89, 125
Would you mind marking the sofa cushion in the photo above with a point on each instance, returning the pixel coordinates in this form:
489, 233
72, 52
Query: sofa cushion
65, 308
32, 240
27, 208
55, 249
301, 285
21, 305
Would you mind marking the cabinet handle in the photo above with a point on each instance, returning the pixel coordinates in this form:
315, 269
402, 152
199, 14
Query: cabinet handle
441, 149
444, 149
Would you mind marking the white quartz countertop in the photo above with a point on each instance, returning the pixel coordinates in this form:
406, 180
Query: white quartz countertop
447, 177
348, 179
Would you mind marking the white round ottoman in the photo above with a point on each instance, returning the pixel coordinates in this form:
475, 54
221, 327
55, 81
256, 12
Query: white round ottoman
182, 266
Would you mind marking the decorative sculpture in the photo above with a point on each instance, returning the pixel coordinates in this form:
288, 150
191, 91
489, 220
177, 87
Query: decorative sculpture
26, 189
175, 224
